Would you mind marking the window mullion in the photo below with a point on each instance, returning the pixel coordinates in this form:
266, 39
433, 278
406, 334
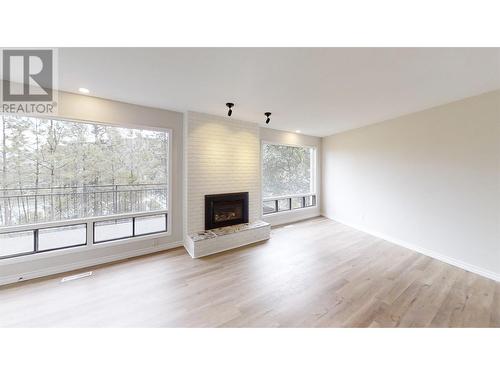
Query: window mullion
36, 240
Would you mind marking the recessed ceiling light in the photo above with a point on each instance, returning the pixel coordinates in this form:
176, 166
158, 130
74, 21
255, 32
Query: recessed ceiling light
83, 90
297, 131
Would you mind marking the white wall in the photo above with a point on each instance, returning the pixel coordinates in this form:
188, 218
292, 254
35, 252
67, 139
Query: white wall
288, 138
429, 181
222, 156
86, 108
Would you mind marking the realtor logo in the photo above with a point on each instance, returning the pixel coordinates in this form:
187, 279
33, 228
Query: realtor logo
28, 81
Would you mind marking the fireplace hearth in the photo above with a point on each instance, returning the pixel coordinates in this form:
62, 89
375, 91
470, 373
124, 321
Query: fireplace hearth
222, 210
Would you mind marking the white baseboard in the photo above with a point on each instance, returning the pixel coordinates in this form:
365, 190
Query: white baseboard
9, 279
433, 254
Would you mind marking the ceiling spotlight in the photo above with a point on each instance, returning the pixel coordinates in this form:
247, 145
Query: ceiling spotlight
83, 90
267, 114
230, 106
297, 131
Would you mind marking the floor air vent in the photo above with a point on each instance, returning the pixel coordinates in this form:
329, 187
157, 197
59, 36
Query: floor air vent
76, 277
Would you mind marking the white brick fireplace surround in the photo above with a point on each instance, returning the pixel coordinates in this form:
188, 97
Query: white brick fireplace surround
221, 155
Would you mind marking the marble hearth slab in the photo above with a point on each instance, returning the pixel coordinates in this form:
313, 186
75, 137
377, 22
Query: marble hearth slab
226, 238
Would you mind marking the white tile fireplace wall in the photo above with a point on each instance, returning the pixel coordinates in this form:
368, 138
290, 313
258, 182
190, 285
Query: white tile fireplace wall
221, 155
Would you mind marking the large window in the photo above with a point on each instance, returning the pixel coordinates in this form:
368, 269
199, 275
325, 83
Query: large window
71, 173
288, 177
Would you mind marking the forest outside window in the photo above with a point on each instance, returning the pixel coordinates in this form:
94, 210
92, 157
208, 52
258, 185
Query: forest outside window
288, 177
66, 173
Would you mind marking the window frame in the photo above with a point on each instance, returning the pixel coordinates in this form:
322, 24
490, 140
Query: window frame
133, 219
313, 182
89, 221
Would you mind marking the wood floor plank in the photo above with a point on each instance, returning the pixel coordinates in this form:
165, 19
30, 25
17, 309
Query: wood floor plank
316, 273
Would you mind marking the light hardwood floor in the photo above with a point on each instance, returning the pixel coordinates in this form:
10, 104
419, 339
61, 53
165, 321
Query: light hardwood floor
316, 273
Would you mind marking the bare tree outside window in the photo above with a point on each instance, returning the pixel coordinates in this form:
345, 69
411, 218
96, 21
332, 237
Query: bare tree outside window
287, 170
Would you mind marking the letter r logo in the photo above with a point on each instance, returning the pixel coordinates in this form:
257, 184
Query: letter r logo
33, 69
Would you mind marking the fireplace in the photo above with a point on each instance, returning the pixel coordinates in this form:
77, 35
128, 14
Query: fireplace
222, 210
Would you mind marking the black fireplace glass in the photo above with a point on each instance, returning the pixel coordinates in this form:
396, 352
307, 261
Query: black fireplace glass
228, 210
222, 210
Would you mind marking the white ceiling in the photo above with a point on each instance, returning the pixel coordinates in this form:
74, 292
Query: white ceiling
319, 91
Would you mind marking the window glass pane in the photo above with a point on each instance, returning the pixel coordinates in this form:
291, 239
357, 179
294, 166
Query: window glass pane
297, 203
60, 237
16, 243
112, 230
150, 224
310, 201
287, 170
283, 204
268, 207
58, 170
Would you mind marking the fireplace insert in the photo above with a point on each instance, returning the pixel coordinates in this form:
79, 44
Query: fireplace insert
222, 210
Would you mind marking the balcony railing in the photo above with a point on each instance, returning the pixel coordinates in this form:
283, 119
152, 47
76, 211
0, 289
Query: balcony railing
39, 205
283, 203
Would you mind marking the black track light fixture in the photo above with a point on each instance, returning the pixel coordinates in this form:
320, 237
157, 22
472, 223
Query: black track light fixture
230, 106
267, 114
